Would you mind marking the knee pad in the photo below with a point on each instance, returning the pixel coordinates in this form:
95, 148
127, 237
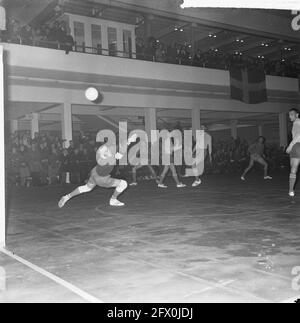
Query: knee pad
84, 189
122, 186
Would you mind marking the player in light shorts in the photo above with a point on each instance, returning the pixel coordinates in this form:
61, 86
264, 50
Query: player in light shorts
294, 150
100, 176
256, 151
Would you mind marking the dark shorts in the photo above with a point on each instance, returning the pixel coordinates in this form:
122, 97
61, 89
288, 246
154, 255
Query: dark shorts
295, 153
258, 158
106, 182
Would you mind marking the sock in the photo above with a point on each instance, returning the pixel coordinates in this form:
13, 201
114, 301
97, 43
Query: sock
293, 178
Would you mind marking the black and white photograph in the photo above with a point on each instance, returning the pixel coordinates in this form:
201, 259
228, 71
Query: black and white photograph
150, 154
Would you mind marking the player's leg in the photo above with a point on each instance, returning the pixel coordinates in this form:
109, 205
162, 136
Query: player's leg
162, 176
247, 170
134, 176
120, 186
78, 191
261, 161
198, 171
295, 162
153, 173
175, 176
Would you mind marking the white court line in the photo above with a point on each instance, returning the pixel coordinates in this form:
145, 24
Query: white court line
87, 297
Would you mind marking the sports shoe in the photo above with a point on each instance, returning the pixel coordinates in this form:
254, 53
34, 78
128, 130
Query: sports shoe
133, 184
115, 202
162, 186
63, 201
197, 183
243, 178
181, 185
268, 178
292, 194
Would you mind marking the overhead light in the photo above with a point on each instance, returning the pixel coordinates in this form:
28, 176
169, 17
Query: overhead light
175, 28
215, 36
242, 40
181, 29
216, 50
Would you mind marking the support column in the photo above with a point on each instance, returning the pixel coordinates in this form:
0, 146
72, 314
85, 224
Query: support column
234, 129
260, 130
34, 124
150, 121
283, 133
196, 122
2, 154
67, 125
14, 126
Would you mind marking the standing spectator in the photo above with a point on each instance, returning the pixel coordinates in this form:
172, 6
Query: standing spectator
54, 166
160, 54
65, 168
67, 42
35, 164
27, 35
140, 49
44, 151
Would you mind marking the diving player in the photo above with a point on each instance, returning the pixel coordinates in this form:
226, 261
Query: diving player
100, 176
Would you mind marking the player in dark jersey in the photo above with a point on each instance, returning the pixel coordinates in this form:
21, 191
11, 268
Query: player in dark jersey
100, 176
256, 151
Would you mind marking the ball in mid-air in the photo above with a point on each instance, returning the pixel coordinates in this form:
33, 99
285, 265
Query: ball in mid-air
92, 94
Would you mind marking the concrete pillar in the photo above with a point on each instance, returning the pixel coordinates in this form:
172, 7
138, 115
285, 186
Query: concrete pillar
196, 122
14, 126
150, 121
34, 124
283, 132
234, 129
2, 154
260, 130
67, 125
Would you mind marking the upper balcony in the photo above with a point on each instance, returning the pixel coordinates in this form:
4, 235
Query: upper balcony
36, 74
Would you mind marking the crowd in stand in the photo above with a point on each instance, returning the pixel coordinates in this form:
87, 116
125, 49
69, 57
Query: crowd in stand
177, 53
43, 160
57, 35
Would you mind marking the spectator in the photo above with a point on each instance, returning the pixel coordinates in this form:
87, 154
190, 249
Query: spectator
26, 34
